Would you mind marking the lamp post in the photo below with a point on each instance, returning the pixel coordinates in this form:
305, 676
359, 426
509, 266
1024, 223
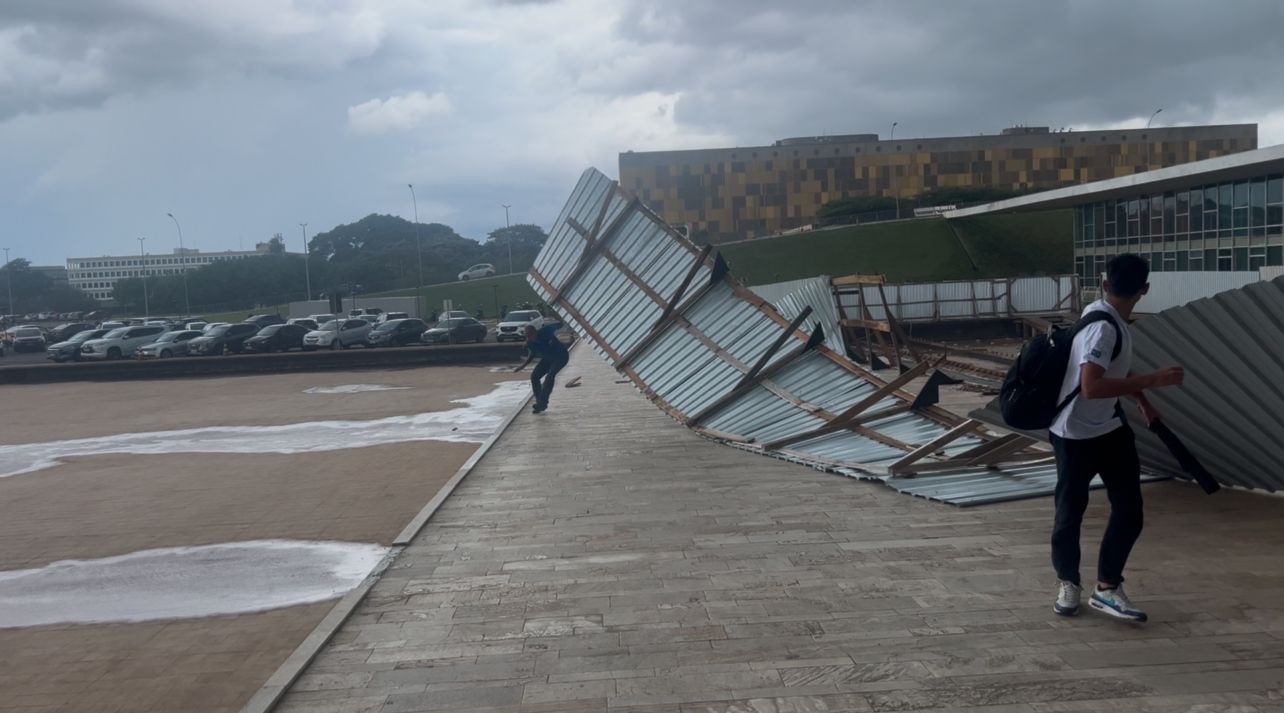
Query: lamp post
182, 267
8, 274
1152, 118
419, 252
508, 239
307, 272
147, 310
891, 174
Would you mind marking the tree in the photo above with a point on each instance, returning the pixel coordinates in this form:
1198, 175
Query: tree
276, 246
525, 240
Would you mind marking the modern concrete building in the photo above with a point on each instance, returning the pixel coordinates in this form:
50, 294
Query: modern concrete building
1223, 214
747, 192
97, 276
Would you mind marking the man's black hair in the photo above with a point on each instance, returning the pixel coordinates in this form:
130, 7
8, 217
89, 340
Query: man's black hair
1127, 275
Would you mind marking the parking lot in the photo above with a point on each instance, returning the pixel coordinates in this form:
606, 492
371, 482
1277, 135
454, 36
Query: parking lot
332, 461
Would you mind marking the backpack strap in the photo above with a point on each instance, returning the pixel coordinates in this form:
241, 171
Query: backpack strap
1099, 315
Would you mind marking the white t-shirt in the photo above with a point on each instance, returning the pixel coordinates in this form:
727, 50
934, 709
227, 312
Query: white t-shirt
1089, 418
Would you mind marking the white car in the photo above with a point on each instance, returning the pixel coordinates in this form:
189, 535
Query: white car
389, 316
198, 325
337, 334
453, 314
120, 342
206, 329
481, 269
320, 318
513, 325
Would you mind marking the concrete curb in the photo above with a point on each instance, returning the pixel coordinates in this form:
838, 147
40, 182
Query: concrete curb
270, 693
231, 365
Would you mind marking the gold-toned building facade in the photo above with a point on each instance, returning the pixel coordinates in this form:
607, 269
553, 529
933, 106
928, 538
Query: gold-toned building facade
748, 192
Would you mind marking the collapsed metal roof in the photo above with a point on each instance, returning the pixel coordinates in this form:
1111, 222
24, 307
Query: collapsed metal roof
726, 363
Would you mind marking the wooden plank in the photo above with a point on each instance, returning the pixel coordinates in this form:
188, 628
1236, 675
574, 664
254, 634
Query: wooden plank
875, 324
633, 277
596, 241
844, 419
776, 344
745, 386
667, 317
686, 282
1002, 449
859, 280
932, 446
1025, 458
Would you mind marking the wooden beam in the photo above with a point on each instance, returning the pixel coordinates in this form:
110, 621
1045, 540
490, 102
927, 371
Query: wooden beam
668, 316
746, 384
881, 414
1002, 448
875, 324
595, 242
932, 446
686, 282
844, 419
858, 280
1026, 458
776, 344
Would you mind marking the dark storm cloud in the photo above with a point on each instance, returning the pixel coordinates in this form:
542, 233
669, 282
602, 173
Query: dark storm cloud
761, 69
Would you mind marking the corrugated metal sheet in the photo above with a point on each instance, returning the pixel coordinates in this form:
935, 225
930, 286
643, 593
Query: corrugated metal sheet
1173, 289
724, 361
1005, 298
1230, 410
792, 296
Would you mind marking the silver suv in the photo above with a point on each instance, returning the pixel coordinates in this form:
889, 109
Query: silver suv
337, 333
120, 342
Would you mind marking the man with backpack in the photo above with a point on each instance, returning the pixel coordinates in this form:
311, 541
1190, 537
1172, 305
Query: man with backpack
1090, 437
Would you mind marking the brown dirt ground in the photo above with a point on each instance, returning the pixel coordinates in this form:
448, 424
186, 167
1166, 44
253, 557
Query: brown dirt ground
113, 504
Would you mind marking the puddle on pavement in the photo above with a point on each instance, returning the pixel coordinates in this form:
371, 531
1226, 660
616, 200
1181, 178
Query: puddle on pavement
184, 582
472, 423
353, 388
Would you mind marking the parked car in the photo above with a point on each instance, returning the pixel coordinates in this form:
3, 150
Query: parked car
453, 314
361, 311
69, 349
455, 331
337, 334
319, 319
397, 333
277, 338
373, 319
63, 332
198, 325
28, 339
389, 316
307, 322
512, 326
120, 342
206, 329
230, 337
111, 324
263, 320
483, 269
169, 344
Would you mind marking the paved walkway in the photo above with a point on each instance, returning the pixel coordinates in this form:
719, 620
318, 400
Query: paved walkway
602, 558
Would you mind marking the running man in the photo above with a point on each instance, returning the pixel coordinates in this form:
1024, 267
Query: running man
543, 343
1091, 437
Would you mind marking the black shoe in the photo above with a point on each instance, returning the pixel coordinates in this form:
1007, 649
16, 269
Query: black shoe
539, 408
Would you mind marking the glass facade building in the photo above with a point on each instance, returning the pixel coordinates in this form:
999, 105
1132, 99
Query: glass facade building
1228, 226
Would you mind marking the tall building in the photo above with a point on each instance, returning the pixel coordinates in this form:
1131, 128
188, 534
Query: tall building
97, 276
747, 192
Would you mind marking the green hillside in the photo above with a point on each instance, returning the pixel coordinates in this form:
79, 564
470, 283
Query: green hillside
924, 250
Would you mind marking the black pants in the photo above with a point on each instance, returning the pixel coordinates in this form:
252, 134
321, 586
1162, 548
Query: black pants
1113, 457
546, 371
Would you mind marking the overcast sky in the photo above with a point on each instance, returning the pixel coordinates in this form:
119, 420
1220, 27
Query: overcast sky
246, 117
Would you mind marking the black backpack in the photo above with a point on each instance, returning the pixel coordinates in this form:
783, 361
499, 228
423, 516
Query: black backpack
1028, 397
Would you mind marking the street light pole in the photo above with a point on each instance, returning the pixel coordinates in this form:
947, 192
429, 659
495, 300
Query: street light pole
1152, 118
307, 272
8, 274
419, 253
147, 310
891, 174
509, 239
182, 267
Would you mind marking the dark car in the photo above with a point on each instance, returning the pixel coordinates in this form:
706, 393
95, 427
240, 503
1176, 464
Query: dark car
63, 332
277, 338
264, 320
456, 331
397, 333
230, 337
69, 349
28, 339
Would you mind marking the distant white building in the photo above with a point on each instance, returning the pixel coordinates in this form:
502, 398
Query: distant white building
97, 276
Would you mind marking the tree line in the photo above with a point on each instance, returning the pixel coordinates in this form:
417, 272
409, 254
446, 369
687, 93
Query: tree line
375, 254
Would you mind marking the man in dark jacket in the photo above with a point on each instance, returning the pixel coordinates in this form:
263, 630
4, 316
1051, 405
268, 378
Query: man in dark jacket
543, 343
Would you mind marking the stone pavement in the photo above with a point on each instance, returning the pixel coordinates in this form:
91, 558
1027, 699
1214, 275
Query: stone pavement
603, 558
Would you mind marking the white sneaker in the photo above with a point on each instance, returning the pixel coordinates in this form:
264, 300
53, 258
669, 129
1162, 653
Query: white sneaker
1067, 603
1115, 603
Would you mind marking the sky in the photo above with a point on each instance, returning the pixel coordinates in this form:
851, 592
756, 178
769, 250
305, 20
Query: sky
245, 118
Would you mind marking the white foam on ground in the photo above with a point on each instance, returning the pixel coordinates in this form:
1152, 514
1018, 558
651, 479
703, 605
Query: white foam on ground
352, 388
473, 423
184, 582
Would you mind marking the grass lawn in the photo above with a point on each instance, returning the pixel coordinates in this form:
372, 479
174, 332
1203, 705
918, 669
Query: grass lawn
923, 250
486, 293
